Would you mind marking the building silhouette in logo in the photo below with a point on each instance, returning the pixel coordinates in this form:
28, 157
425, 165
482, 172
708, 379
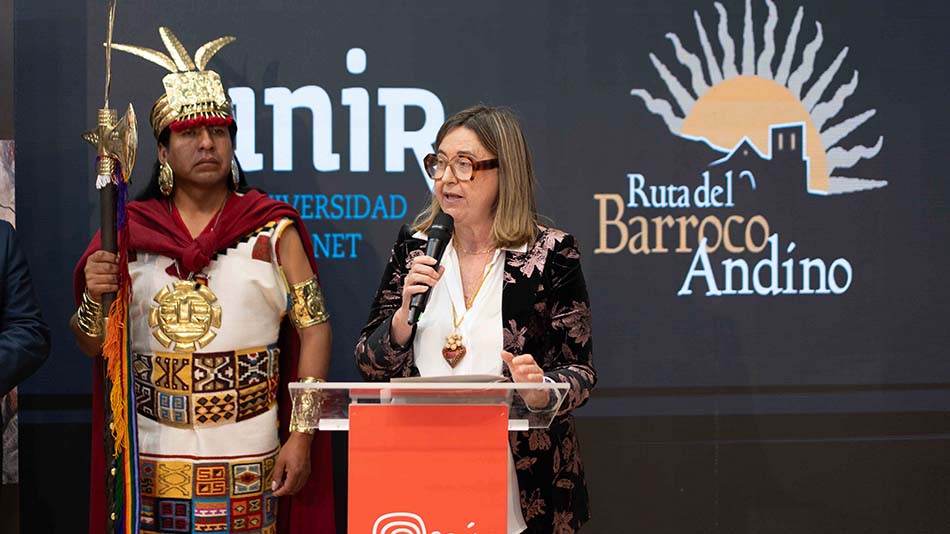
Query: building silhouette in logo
783, 169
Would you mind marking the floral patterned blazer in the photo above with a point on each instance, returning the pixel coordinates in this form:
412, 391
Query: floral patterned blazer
545, 313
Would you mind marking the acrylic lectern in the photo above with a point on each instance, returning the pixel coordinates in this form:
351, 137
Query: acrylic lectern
427, 457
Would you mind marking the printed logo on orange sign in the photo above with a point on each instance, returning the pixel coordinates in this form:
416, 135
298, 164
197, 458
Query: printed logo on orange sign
407, 523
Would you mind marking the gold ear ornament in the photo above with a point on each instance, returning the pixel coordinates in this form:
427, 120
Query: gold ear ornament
166, 179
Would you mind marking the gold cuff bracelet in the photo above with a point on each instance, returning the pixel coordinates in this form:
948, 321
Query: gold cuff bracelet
306, 407
89, 316
306, 304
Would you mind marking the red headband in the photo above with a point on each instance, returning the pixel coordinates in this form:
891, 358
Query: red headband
187, 124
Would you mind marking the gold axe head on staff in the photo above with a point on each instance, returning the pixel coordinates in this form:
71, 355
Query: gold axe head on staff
116, 140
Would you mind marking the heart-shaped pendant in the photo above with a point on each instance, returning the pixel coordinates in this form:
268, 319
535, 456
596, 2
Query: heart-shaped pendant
454, 350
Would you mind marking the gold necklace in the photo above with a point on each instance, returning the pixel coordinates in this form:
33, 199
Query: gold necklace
454, 350
476, 252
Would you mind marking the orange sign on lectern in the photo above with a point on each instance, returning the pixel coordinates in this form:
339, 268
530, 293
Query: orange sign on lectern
428, 469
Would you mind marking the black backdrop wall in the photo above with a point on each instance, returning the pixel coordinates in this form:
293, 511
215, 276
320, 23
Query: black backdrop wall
791, 376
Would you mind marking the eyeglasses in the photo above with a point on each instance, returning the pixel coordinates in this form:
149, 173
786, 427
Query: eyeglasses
463, 167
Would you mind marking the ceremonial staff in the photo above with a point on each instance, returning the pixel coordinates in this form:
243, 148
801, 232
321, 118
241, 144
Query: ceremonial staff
115, 141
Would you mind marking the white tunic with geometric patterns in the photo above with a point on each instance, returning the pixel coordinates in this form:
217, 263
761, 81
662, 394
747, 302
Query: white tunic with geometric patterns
207, 414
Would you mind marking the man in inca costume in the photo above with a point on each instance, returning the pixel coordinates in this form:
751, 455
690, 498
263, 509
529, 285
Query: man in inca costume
222, 307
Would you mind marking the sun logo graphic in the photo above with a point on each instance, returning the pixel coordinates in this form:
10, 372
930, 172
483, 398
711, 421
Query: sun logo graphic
741, 101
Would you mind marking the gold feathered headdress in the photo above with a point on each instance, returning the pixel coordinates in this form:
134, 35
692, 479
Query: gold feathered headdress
191, 92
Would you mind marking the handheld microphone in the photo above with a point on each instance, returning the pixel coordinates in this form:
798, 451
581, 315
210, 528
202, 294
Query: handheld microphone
439, 235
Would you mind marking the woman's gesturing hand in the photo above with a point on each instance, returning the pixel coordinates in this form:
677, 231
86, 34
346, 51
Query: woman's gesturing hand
525, 369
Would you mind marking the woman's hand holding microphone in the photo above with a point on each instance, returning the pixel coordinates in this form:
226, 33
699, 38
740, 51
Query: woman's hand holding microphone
420, 278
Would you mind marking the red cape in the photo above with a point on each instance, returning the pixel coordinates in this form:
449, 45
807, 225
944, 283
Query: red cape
153, 227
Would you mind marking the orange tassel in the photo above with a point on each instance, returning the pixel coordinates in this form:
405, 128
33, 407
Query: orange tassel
113, 350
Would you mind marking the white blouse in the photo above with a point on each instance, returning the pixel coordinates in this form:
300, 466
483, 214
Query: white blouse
481, 331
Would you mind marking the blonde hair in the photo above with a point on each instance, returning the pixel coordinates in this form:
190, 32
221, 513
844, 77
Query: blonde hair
515, 210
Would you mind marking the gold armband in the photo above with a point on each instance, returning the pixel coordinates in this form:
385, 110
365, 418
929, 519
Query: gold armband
89, 316
305, 407
306, 304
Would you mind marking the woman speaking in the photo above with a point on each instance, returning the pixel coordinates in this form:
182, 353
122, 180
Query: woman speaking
508, 298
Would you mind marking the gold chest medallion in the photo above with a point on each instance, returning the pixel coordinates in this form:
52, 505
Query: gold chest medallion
185, 315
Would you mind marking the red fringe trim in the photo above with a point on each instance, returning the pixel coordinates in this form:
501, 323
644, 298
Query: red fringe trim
187, 124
